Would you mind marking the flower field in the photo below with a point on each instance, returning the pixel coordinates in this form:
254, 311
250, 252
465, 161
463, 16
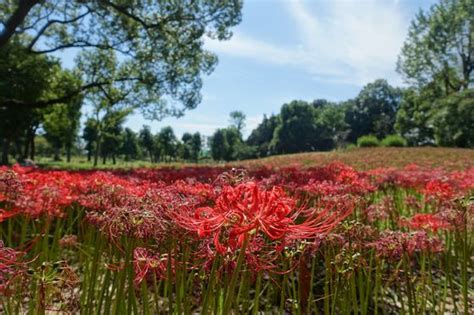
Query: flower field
328, 239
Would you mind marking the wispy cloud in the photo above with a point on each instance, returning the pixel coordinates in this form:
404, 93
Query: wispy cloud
350, 41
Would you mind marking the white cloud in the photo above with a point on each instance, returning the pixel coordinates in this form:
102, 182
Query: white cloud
350, 41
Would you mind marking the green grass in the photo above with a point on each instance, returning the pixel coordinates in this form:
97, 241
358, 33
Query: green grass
359, 158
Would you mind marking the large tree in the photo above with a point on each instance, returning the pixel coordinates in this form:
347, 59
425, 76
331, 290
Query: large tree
373, 111
147, 141
167, 141
23, 77
130, 148
297, 130
440, 46
262, 136
160, 42
61, 122
237, 120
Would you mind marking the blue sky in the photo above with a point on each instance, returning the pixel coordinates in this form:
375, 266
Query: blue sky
287, 49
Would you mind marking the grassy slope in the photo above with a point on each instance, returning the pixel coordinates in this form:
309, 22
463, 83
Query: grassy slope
369, 158
362, 159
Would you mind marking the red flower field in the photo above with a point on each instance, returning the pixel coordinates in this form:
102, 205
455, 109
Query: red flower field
329, 239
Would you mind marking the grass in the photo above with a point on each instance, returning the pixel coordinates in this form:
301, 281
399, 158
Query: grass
359, 158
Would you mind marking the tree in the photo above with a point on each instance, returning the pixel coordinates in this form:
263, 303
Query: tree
330, 125
186, 149
237, 120
373, 111
414, 117
61, 122
453, 120
262, 136
297, 130
147, 142
196, 146
167, 141
90, 135
160, 42
219, 145
23, 77
110, 138
440, 46
130, 147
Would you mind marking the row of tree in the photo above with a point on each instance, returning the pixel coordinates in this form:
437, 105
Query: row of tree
130, 56
115, 74
163, 146
437, 107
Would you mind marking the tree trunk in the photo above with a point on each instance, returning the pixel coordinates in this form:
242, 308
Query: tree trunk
104, 159
15, 20
68, 152
56, 152
26, 150
97, 151
89, 152
32, 146
5, 151
114, 161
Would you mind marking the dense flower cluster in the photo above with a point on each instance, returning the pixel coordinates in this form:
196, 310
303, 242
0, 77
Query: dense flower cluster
267, 214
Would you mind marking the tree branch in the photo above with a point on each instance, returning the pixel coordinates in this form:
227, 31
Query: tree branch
62, 99
24, 7
51, 22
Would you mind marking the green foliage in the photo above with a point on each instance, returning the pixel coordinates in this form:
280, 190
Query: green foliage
91, 135
413, 119
394, 141
453, 122
227, 145
237, 120
196, 146
146, 141
373, 111
167, 142
262, 136
61, 122
219, 145
130, 148
23, 77
440, 45
191, 146
160, 42
330, 123
368, 141
297, 131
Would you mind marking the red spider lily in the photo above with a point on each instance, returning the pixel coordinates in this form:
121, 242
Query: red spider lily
5, 214
439, 189
427, 221
395, 244
246, 211
145, 262
10, 266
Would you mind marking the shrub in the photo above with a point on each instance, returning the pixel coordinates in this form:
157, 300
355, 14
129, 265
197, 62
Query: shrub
394, 141
350, 146
368, 142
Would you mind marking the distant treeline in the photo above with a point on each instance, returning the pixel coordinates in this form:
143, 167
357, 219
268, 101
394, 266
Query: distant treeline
41, 102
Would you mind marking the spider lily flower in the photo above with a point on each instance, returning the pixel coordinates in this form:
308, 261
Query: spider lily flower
427, 221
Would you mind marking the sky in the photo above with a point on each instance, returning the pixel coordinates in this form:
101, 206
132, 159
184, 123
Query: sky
294, 49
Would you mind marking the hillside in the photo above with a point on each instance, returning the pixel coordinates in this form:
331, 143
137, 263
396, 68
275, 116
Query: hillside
369, 158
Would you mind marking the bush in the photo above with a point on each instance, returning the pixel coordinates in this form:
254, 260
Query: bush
394, 141
350, 146
368, 142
